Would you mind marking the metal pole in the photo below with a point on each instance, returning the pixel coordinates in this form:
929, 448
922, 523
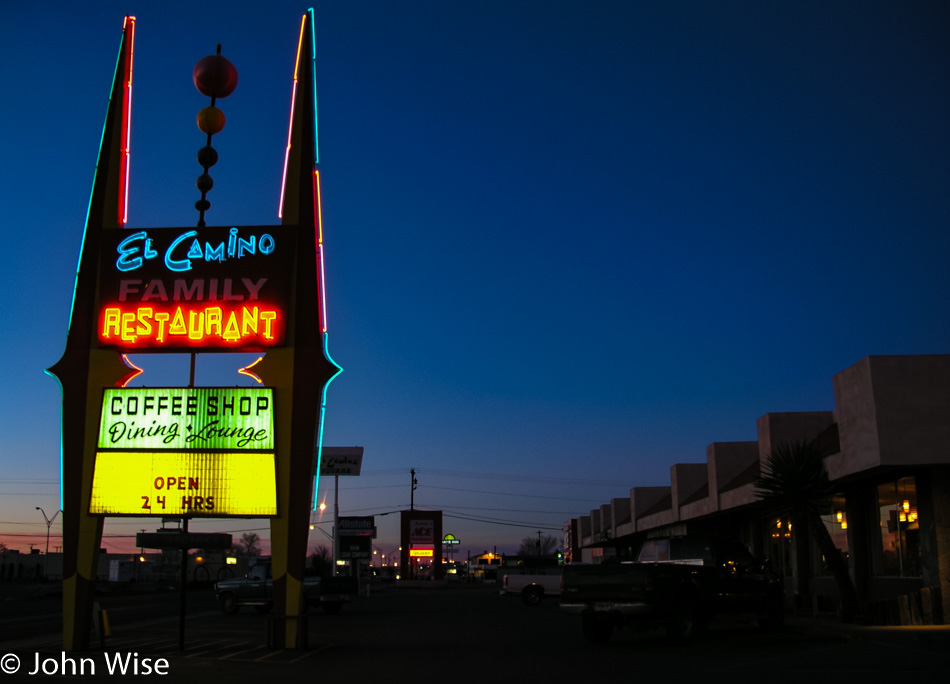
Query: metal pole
184, 579
336, 522
49, 524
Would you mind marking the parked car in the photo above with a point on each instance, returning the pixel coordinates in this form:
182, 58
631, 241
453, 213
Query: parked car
256, 589
532, 587
680, 583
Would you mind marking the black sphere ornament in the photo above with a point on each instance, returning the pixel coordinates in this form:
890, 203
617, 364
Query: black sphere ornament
207, 157
204, 182
215, 77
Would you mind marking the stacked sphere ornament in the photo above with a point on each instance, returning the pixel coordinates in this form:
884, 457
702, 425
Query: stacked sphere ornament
215, 77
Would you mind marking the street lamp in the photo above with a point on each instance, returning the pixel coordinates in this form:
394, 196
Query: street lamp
49, 523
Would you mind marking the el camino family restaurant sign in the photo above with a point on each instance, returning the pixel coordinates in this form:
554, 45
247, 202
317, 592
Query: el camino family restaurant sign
181, 450
196, 451
166, 289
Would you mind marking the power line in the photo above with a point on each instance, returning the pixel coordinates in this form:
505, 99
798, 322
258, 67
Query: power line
518, 494
543, 479
506, 510
503, 522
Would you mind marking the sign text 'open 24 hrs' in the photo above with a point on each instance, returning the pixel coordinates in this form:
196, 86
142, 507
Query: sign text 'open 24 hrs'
173, 289
179, 450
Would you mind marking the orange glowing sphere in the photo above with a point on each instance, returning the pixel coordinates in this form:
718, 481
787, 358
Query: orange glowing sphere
210, 120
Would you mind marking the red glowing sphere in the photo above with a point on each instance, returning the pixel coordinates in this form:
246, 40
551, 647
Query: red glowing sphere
215, 76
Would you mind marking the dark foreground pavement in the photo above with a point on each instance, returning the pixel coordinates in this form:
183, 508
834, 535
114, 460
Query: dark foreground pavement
469, 633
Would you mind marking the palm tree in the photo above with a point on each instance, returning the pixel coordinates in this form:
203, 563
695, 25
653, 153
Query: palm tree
795, 483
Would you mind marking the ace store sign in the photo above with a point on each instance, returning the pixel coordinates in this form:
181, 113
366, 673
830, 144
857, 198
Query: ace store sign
422, 532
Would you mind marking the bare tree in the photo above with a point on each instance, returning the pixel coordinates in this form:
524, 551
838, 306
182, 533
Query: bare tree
321, 561
250, 545
540, 545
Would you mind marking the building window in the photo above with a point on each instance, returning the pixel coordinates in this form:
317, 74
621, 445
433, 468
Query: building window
654, 551
900, 530
780, 545
835, 519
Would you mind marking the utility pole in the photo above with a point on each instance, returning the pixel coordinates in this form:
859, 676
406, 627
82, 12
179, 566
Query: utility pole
336, 523
412, 493
49, 523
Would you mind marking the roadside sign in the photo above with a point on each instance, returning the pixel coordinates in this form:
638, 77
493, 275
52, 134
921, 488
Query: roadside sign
422, 532
357, 526
341, 460
356, 548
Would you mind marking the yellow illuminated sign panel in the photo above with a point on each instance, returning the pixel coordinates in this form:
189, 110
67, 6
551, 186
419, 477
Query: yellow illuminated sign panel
174, 483
421, 553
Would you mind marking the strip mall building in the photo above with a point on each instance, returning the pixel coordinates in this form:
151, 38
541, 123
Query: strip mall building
889, 440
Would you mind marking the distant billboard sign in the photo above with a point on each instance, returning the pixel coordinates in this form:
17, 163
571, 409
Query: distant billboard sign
356, 526
422, 532
356, 548
341, 460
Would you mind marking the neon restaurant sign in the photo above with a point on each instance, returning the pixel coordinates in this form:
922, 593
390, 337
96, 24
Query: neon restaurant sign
185, 451
175, 289
178, 452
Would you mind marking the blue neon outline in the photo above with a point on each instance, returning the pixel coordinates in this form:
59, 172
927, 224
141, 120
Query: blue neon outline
52, 375
85, 230
323, 294
92, 190
323, 410
313, 72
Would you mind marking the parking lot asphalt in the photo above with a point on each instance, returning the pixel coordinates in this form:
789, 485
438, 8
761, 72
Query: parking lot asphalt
397, 634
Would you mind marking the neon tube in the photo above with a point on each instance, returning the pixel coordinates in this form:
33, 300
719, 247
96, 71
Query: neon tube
322, 420
136, 371
313, 72
318, 217
290, 128
126, 133
251, 374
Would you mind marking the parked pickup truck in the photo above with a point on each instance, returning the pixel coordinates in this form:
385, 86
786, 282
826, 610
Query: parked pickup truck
532, 587
679, 583
256, 589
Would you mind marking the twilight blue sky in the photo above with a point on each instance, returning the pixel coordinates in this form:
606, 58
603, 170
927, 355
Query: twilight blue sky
569, 244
